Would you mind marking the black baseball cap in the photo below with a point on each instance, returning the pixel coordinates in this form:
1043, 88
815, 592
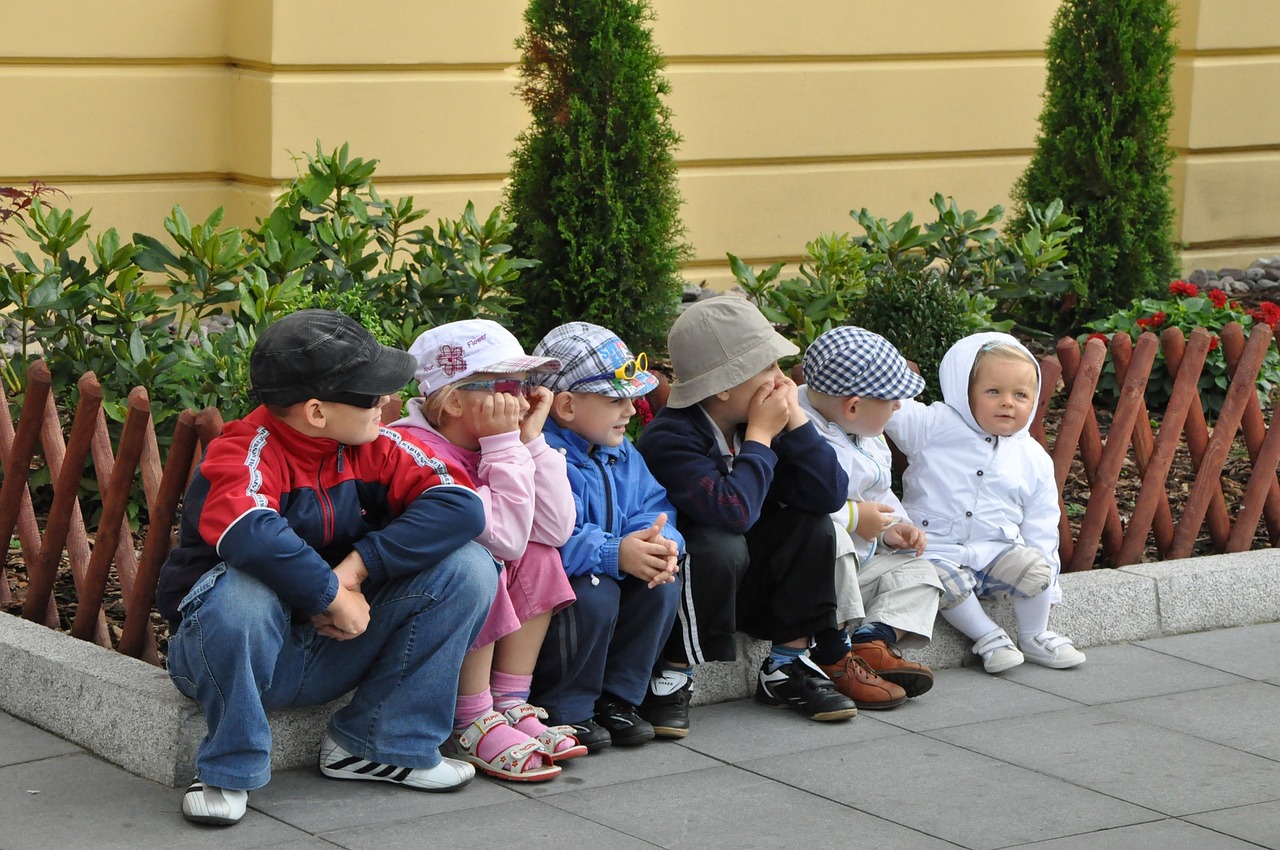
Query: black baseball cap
326, 355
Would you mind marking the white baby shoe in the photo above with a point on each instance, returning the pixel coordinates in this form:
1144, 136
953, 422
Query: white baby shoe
997, 651
1051, 650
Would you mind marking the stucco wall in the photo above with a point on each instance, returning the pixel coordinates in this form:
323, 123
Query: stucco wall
792, 114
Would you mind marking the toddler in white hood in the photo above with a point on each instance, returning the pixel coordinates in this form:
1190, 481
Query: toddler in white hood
984, 491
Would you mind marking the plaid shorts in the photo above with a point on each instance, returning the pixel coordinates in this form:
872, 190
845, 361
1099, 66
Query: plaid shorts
1020, 572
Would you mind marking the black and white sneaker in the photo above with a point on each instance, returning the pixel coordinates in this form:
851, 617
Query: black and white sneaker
666, 704
217, 806
449, 774
802, 685
626, 728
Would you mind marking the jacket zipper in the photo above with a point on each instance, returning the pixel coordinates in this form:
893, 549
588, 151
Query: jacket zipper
608, 494
326, 504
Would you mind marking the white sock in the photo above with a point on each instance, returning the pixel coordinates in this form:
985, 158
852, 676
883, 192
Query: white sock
1032, 614
969, 618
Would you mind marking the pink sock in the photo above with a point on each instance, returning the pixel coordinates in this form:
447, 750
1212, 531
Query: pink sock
510, 690
471, 707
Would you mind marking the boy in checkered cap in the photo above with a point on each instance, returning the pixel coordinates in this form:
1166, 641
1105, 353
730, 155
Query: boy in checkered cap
854, 381
622, 557
754, 483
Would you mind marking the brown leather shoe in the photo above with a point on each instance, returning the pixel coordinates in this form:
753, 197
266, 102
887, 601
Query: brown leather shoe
853, 678
888, 663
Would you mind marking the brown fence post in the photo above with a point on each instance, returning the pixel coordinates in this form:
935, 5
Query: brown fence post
172, 483
1143, 445
18, 467
1254, 426
41, 576
1224, 432
114, 503
1154, 490
1196, 431
28, 530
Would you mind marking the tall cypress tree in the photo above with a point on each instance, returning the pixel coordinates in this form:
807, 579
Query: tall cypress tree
1103, 146
593, 185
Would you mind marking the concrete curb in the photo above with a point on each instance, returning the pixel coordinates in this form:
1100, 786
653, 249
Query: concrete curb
127, 711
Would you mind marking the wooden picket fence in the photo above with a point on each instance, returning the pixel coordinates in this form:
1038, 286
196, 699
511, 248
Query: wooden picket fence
1079, 442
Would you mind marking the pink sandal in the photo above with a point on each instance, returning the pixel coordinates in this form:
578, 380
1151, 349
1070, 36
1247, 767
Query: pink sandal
516, 763
551, 737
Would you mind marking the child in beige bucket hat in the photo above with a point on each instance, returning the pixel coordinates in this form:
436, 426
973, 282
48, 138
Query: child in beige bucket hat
753, 482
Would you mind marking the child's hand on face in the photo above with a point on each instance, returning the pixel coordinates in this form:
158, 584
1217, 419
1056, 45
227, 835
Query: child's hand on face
873, 518
767, 413
905, 536
497, 413
649, 556
795, 414
536, 416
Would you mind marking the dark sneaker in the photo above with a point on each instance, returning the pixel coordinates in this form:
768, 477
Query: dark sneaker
590, 734
666, 704
626, 728
803, 686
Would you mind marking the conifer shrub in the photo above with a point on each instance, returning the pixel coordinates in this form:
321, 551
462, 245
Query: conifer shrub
593, 185
1103, 147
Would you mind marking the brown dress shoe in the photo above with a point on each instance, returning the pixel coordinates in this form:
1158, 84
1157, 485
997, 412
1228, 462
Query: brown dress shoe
853, 678
889, 664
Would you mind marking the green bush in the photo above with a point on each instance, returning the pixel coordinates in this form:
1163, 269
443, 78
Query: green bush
921, 313
330, 241
1103, 147
593, 183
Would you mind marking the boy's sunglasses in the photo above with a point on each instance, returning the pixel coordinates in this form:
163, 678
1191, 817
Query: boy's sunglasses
626, 372
361, 400
510, 386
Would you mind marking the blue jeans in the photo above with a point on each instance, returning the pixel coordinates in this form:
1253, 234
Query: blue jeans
239, 655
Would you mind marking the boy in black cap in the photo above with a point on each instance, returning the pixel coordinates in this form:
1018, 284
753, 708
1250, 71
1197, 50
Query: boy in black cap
319, 553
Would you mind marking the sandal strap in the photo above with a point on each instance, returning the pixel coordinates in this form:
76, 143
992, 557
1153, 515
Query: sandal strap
519, 712
513, 759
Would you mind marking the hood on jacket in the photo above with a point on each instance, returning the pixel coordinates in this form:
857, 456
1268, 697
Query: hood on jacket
957, 363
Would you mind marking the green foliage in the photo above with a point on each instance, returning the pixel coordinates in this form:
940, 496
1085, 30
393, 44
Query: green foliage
331, 241
1103, 147
1023, 278
593, 184
921, 313
1184, 307
831, 282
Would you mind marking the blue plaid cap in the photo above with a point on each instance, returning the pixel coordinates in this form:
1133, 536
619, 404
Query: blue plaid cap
851, 361
589, 356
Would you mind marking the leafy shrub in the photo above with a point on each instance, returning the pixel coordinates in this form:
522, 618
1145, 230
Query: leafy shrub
831, 281
1186, 308
593, 182
330, 241
920, 312
1103, 146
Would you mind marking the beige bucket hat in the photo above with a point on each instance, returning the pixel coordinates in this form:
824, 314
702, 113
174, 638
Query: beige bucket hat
717, 344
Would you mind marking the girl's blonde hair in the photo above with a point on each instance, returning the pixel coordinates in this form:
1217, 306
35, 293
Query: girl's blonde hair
433, 405
1001, 351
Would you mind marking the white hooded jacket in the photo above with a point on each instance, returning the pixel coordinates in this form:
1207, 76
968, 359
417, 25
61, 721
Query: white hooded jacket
974, 494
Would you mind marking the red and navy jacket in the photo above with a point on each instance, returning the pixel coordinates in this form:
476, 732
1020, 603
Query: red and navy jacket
286, 508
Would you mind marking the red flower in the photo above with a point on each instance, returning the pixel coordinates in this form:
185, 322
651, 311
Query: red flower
644, 410
1213, 343
1181, 287
1100, 336
1268, 312
1144, 323
1152, 321
1218, 297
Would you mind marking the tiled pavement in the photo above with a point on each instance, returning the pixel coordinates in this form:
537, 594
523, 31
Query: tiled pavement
1161, 744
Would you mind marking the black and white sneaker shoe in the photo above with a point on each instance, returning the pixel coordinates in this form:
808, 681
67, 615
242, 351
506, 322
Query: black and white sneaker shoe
589, 733
626, 728
802, 685
448, 775
217, 806
666, 704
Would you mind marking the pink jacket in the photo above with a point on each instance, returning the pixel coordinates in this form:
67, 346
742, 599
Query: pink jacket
525, 488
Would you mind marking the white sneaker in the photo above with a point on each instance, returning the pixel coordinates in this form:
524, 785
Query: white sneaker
218, 806
1051, 650
997, 651
337, 763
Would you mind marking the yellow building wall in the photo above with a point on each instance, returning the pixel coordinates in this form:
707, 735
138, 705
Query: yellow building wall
792, 114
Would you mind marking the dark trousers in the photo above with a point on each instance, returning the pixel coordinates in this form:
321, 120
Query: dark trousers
605, 642
776, 583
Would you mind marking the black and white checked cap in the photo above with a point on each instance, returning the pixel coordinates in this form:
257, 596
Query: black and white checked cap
851, 361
